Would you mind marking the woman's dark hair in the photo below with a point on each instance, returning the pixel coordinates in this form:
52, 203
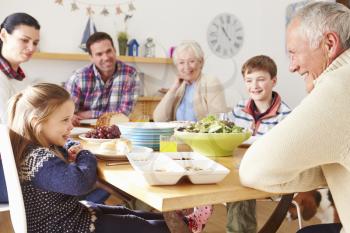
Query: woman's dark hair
12, 21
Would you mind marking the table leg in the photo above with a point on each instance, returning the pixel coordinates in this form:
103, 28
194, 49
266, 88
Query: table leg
278, 215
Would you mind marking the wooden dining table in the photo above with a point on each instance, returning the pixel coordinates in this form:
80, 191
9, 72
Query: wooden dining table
131, 184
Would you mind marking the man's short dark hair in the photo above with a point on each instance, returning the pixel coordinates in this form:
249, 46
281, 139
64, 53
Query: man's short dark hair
96, 37
260, 62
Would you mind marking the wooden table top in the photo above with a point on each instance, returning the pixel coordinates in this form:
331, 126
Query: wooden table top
182, 195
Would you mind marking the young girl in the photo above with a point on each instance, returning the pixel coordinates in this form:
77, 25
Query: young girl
19, 37
40, 119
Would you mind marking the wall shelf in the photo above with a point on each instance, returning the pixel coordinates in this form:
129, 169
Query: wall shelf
85, 57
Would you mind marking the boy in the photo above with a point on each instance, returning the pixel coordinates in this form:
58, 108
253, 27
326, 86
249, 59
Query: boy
263, 110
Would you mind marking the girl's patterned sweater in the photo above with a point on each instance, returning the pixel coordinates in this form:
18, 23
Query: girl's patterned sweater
50, 188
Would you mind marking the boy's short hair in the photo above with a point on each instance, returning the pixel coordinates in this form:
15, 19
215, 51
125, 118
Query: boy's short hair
260, 62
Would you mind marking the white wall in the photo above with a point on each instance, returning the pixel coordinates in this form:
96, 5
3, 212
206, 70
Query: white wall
168, 22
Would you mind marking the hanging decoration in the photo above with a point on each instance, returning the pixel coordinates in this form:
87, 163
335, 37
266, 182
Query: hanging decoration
118, 10
74, 6
90, 11
104, 12
59, 2
131, 7
103, 9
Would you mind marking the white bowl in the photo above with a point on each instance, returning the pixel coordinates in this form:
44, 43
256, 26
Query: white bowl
168, 168
204, 171
157, 170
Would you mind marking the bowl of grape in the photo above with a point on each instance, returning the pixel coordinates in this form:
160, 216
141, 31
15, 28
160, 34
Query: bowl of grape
101, 134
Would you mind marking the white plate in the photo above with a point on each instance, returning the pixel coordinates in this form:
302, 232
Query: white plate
79, 130
88, 121
95, 140
135, 149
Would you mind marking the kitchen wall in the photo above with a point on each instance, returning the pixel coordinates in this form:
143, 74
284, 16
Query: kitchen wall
168, 22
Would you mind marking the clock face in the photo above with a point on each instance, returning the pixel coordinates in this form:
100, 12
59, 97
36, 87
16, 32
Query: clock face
225, 35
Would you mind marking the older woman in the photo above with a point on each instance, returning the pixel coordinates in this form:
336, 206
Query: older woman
19, 38
193, 94
191, 97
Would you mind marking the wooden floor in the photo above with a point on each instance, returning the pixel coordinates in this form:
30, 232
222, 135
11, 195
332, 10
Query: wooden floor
216, 223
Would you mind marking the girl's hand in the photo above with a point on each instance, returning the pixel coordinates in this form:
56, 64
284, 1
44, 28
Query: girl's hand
73, 151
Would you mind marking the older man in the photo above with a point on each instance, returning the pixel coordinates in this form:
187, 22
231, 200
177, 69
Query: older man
311, 147
106, 85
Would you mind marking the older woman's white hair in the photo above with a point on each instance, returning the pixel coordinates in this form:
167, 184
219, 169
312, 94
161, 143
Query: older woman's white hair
188, 46
320, 17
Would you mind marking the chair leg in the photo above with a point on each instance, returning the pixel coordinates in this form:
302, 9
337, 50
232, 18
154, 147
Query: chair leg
298, 212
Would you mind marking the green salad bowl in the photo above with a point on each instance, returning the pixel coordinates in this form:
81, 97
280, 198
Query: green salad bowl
213, 144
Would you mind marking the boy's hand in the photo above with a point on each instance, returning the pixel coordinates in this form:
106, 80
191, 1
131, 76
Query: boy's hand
73, 151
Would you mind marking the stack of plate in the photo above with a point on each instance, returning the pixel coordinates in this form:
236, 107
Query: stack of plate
146, 133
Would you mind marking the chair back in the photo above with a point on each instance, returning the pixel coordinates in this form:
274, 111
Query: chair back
16, 203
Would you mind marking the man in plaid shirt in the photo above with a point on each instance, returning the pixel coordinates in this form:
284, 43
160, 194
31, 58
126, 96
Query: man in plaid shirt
106, 85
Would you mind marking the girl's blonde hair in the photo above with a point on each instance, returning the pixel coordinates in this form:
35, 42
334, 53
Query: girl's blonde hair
28, 110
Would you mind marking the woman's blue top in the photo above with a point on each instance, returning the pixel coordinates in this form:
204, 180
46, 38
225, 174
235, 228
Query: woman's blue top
185, 111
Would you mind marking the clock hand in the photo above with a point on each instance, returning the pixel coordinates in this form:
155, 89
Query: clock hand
223, 29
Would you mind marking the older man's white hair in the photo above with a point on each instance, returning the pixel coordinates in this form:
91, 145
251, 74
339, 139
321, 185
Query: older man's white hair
320, 17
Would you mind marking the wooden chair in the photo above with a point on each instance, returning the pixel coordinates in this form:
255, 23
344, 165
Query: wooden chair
16, 203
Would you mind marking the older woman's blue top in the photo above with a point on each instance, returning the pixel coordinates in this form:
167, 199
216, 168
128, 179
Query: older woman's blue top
185, 111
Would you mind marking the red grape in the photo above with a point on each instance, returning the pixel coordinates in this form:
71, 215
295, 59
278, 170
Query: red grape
104, 132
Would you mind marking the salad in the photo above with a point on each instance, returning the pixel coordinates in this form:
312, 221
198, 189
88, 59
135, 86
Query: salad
211, 124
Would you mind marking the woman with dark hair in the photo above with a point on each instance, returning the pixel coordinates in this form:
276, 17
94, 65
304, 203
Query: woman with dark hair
19, 38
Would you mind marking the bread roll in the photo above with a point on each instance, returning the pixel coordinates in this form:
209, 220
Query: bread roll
119, 146
123, 146
111, 118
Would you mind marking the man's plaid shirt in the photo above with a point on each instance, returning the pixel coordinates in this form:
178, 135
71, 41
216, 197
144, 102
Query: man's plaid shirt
90, 93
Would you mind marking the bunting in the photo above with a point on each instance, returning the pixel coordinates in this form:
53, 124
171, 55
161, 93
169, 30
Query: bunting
122, 8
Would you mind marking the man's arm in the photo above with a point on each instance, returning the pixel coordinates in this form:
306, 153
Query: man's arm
74, 89
130, 94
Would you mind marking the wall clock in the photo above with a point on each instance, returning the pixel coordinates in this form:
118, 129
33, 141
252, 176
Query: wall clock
225, 35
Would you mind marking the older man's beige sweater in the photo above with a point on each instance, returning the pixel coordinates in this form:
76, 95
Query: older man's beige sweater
311, 147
